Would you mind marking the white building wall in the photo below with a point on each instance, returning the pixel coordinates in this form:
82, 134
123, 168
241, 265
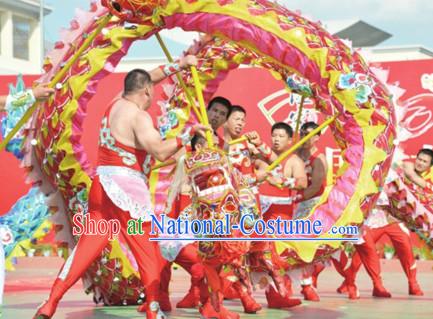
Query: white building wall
8, 63
403, 53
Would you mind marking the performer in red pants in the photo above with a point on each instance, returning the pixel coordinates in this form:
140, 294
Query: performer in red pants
315, 169
277, 198
400, 238
370, 259
414, 175
242, 155
128, 143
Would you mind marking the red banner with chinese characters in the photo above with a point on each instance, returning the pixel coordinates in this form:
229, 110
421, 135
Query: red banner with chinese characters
266, 101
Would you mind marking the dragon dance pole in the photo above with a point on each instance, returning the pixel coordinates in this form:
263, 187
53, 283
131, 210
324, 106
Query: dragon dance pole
204, 122
164, 164
298, 120
297, 145
199, 94
241, 139
179, 78
56, 79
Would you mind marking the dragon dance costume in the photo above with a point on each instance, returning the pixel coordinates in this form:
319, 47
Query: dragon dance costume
214, 195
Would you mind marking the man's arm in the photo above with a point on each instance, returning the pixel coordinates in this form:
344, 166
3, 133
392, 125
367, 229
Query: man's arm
297, 168
410, 173
149, 139
317, 177
260, 147
41, 92
294, 175
260, 170
160, 73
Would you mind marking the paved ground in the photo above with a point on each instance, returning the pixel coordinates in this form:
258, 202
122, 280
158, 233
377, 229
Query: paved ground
29, 285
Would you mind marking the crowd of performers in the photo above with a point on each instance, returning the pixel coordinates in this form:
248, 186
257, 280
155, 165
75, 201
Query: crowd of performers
128, 147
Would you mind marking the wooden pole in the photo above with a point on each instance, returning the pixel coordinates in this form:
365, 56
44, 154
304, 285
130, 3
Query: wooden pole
179, 78
298, 144
199, 94
298, 120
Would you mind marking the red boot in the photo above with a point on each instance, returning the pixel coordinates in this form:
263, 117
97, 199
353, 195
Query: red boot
380, 291
228, 291
276, 301
152, 310
48, 308
310, 293
45, 311
352, 291
191, 299
248, 302
343, 288
415, 289
318, 268
226, 314
208, 311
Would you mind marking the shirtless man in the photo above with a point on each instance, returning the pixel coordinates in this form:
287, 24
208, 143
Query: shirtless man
127, 148
277, 193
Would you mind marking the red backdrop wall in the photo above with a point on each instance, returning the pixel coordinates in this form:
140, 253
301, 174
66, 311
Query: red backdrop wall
254, 89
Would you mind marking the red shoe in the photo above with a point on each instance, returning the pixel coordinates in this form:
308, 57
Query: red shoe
343, 288
191, 299
318, 268
276, 301
226, 314
352, 291
380, 292
207, 311
309, 293
46, 310
249, 304
152, 310
229, 292
415, 289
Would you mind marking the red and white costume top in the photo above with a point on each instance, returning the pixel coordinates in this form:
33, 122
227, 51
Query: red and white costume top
124, 173
275, 201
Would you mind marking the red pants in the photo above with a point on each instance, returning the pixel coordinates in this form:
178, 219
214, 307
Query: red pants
403, 247
188, 257
189, 260
89, 247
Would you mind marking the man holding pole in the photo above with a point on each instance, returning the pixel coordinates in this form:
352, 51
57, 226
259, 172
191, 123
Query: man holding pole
127, 147
276, 193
